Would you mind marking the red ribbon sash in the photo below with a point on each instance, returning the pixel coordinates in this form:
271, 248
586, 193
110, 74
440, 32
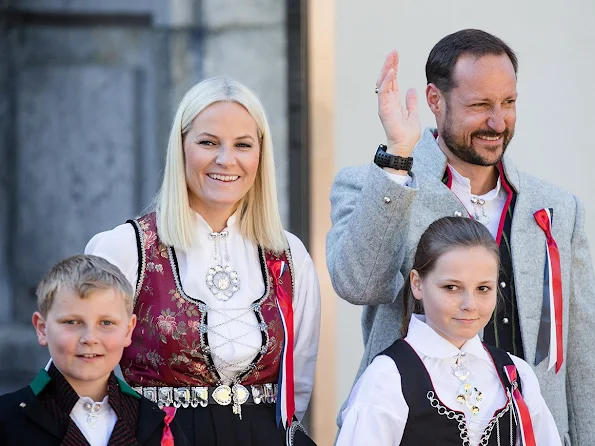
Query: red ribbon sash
543, 219
520, 407
284, 300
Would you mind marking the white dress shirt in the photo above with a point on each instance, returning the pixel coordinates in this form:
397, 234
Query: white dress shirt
119, 247
494, 200
376, 412
98, 428
461, 187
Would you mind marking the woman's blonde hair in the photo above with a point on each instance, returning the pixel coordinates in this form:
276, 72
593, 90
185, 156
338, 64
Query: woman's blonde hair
258, 211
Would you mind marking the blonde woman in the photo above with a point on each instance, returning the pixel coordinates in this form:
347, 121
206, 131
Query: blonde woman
227, 301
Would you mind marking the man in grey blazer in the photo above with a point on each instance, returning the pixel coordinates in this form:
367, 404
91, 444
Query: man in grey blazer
460, 168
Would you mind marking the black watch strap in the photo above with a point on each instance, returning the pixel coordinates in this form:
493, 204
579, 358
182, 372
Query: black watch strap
383, 159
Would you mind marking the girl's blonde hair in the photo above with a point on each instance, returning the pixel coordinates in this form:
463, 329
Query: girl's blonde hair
258, 211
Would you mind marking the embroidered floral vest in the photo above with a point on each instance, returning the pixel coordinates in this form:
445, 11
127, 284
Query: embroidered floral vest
169, 344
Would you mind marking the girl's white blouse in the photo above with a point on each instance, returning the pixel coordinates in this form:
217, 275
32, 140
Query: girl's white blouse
376, 412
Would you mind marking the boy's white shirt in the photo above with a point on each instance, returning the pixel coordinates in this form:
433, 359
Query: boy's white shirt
376, 412
100, 434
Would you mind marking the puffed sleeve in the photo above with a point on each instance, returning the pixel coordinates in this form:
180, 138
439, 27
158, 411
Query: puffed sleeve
306, 319
543, 423
376, 411
118, 247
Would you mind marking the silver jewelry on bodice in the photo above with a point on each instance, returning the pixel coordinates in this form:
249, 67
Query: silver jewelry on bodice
221, 279
479, 212
467, 393
233, 315
471, 432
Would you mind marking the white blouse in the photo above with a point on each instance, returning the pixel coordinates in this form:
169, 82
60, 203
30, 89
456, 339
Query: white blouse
120, 248
376, 412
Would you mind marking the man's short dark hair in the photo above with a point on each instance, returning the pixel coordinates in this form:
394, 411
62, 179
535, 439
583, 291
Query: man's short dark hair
469, 42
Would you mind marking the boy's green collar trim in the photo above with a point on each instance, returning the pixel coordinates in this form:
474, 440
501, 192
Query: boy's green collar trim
40, 381
43, 378
125, 388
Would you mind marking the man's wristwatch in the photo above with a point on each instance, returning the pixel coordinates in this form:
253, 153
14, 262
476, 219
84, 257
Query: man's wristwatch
383, 159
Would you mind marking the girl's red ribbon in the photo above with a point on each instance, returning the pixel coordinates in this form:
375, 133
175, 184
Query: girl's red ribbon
520, 407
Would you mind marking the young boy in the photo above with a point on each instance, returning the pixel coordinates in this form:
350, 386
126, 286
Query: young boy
85, 319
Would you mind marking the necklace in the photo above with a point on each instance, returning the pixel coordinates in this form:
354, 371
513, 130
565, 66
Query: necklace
479, 211
221, 279
467, 394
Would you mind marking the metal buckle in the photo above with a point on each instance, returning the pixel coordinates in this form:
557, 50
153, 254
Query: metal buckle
222, 395
165, 396
257, 393
269, 393
240, 393
200, 395
181, 397
150, 393
240, 396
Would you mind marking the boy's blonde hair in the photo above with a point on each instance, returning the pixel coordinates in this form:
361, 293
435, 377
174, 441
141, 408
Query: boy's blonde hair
82, 274
259, 218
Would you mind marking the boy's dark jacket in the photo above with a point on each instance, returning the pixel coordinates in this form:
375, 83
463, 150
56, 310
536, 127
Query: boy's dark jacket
24, 420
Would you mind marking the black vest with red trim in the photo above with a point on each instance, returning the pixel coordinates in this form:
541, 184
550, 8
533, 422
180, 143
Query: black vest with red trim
425, 425
503, 330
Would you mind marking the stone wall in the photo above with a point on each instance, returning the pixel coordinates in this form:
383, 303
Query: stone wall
86, 101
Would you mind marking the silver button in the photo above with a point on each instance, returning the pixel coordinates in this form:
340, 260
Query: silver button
505, 321
387, 200
502, 284
458, 214
23, 405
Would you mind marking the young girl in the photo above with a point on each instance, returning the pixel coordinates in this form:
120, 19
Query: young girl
440, 385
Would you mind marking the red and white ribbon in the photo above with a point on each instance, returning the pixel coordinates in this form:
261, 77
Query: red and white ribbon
285, 402
520, 407
549, 339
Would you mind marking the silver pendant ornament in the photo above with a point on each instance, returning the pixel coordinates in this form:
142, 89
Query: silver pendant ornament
221, 279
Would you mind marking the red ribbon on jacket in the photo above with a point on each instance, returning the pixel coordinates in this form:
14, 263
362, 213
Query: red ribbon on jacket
286, 408
167, 438
520, 407
552, 291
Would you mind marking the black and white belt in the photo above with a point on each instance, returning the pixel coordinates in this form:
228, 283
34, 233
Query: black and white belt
193, 396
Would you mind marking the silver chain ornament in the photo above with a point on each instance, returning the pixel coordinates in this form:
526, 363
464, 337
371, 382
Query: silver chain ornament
221, 279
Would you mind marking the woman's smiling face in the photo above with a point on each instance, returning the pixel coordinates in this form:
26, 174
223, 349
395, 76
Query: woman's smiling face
222, 153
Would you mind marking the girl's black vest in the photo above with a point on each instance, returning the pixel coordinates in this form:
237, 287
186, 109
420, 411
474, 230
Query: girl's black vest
430, 422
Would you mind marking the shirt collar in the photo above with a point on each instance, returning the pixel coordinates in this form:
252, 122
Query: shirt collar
427, 342
204, 228
464, 184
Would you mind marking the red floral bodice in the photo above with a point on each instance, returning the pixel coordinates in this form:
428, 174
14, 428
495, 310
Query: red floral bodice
169, 344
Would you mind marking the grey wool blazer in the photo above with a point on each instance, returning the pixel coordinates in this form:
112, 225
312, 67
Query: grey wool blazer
377, 223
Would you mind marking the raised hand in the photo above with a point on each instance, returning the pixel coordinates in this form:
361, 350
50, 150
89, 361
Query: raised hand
401, 123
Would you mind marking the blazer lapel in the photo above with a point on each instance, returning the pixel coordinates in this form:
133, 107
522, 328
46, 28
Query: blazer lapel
528, 260
430, 163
